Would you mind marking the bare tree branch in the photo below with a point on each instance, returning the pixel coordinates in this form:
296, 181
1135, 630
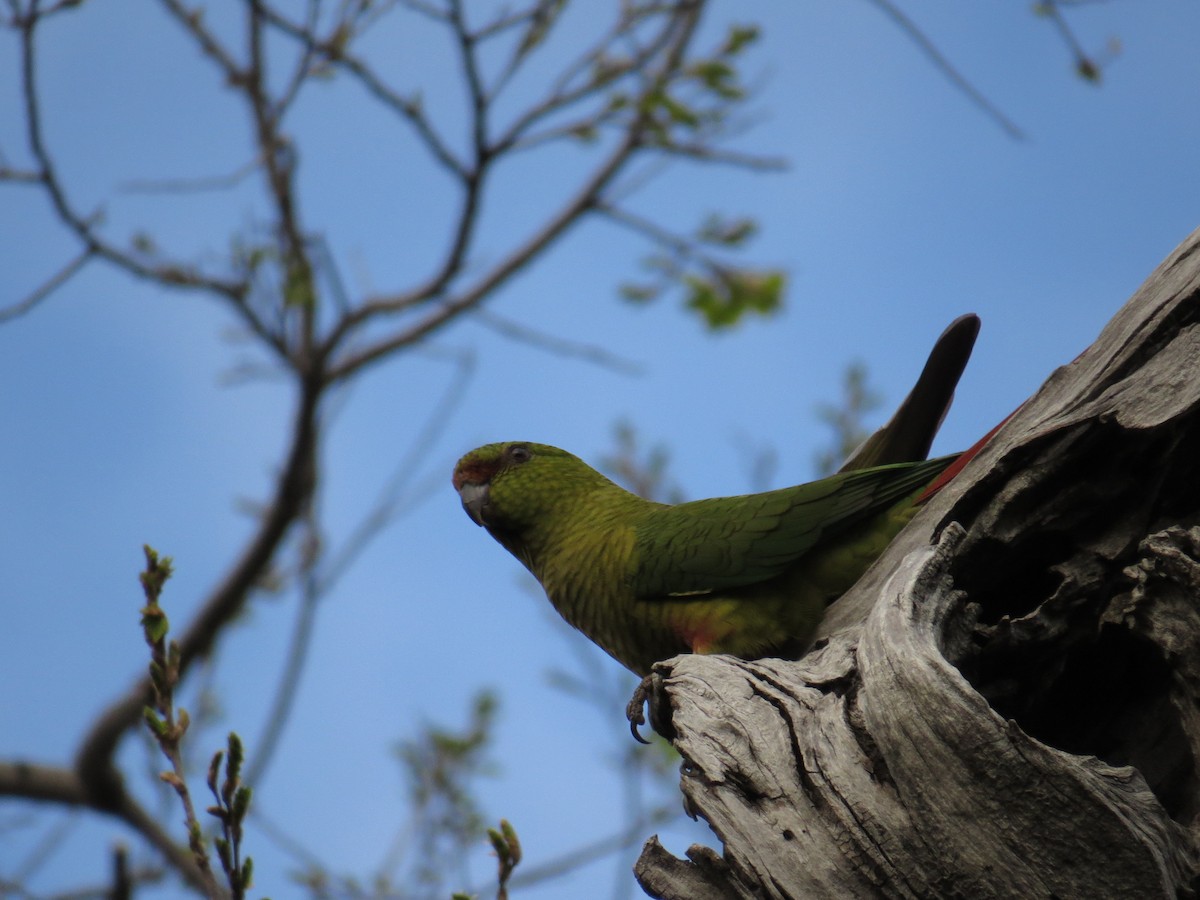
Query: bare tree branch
333, 50
193, 22
584, 201
40, 782
275, 293
82, 227
169, 274
67, 787
1085, 64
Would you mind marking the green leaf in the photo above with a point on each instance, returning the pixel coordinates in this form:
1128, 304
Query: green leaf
236, 754
156, 724
510, 837
214, 770
241, 803
143, 243
585, 132
617, 100
726, 297
727, 232
739, 37
158, 678
154, 623
676, 111
153, 577
248, 873
541, 21
639, 293
298, 286
719, 77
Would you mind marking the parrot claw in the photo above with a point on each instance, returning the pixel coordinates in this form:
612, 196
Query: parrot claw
649, 693
633, 729
633, 710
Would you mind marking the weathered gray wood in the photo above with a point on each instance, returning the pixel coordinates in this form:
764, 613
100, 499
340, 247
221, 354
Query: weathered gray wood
1008, 703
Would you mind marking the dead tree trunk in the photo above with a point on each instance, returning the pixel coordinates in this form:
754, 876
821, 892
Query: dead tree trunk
1008, 703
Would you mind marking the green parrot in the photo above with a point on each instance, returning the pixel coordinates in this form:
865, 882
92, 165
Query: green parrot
749, 575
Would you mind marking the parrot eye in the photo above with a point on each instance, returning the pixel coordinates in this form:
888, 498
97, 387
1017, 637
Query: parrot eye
519, 454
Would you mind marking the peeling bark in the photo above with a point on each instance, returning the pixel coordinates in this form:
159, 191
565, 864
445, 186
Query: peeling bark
1008, 703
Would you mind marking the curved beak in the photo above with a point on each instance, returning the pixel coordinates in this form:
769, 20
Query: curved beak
474, 500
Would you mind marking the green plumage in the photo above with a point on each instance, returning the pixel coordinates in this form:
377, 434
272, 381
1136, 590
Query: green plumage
748, 575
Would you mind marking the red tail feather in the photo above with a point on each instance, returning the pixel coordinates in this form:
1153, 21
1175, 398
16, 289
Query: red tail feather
959, 464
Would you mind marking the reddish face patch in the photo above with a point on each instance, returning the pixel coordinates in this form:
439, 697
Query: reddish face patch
475, 471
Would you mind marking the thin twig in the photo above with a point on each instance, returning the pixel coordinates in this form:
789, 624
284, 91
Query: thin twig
505, 21
34, 781
179, 858
581, 350
169, 275
584, 200
677, 244
562, 97
400, 485
627, 837
19, 176
48, 287
279, 167
302, 71
1085, 65
706, 153
340, 57
470, 63
41, 852
193, 21
293, 491
914, 33
318, 585
191, 185
272, 830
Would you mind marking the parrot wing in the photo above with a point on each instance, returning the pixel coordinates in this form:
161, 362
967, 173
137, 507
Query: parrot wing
704, 546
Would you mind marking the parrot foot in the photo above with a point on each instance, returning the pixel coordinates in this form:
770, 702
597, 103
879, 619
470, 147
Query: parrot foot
650, 693
633, 709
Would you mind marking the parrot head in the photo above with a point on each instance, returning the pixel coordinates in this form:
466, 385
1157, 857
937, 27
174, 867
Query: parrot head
515, 486
475, 473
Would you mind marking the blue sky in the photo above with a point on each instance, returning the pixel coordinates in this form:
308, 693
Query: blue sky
902, 207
